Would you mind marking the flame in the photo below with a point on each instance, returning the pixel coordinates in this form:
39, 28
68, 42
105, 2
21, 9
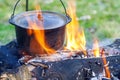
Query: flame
106, 68
96, 50
39, 14
38, 43
75, 34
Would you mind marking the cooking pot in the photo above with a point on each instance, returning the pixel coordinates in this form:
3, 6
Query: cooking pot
54, 27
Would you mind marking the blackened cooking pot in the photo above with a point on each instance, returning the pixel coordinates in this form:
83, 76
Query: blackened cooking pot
54, 27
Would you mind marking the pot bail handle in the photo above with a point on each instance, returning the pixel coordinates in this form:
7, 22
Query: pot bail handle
64, 8
69, 19
14, 9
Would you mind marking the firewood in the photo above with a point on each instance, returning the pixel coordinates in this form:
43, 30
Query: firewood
22, 73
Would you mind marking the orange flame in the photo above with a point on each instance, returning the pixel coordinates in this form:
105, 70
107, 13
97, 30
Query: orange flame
96, 50
38, 44
75, 34
106, 68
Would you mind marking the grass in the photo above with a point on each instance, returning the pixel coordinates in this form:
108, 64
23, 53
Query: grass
6, 33
104, 22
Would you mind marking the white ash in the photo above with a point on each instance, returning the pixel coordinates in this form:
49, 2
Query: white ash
30, 67
63, 55
59, 55
108, 52
100, 77
111, 51
114, 78
94, 78
54, 57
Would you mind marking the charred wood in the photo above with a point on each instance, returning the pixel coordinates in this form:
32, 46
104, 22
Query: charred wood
69, 69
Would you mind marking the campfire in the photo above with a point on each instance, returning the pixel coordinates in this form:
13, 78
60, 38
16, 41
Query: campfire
52, 46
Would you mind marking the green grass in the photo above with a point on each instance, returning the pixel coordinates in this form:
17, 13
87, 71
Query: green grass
6, 33
105, 17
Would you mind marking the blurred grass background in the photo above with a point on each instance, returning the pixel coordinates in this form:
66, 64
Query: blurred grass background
100, 18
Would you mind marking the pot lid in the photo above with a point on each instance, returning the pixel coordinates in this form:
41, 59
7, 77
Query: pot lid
50, 20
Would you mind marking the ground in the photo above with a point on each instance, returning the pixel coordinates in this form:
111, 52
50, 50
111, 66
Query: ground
99, 18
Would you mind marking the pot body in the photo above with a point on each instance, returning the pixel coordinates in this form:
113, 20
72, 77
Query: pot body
54, 39
54, 30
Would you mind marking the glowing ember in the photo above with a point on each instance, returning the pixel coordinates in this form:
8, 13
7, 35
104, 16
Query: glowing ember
96, 50
75, 35
38, 32
106, 68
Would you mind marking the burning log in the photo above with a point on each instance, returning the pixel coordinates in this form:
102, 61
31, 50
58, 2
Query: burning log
71, 69
21, 73
21, 63
67, 69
